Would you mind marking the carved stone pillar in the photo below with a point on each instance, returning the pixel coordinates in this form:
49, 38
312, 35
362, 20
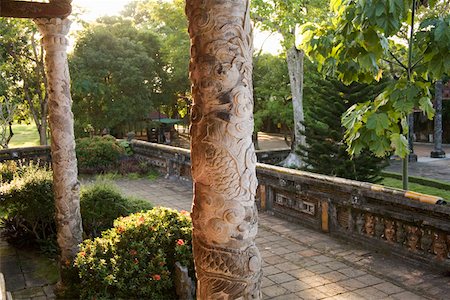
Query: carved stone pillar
438, 152
64, 162
224, 214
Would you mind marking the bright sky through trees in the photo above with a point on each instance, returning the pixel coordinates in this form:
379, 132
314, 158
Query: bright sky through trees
92, 9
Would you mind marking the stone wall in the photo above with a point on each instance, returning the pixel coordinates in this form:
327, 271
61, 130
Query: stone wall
402, 223
41, 153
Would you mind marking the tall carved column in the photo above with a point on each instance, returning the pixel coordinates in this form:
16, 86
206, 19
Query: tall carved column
224, 215
64, 162
438, 152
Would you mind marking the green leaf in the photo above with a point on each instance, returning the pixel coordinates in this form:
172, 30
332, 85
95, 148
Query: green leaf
427, 107
400, 144
378, 122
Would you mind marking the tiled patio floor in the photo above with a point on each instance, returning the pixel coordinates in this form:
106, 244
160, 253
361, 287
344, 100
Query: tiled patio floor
299, 263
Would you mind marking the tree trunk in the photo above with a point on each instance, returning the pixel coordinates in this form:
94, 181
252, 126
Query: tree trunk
224, 215
64, 163
295, 69
43, 132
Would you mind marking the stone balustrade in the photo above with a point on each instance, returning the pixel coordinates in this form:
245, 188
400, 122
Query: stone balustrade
402, 223
41, 153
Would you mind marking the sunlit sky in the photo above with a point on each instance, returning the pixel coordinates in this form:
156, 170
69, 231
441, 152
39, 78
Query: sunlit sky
92, 9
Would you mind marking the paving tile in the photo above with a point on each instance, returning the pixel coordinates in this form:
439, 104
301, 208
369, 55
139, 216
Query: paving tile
311, 294
29, 293
332, 289
295, 286
274, 291
371, 293
315, 281
407, 296
389, 288
319, 269
334, 276
351, 284
270, 270
281, 278
286, 297
14, 282
322, 258
369, 279
336, 265
300, 273
274, 259
352, 272
287, 266
266, 282
346, 296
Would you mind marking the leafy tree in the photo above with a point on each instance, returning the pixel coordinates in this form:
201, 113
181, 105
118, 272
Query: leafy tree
283, 17
271, 93
363, 36
22, 72
324, 152
117, 74
167, 19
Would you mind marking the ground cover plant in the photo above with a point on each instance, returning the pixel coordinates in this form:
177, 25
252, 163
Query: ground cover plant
419, 188
135, 259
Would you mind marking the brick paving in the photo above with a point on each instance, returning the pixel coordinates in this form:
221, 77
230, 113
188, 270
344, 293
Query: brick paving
299, 263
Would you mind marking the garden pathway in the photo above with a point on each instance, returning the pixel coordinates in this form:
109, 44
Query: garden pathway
299, 263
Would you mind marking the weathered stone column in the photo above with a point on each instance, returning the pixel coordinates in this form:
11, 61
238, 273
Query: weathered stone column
438, 152
224, 215
64, 162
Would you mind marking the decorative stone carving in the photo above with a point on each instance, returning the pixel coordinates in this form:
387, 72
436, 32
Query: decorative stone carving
379, 227
413, 237
389, 231
440, 245
426, 240
360, 223
224, 213
64, 162
401, 234
369, 224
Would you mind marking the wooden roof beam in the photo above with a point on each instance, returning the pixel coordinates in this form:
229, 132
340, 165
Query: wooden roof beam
25, 9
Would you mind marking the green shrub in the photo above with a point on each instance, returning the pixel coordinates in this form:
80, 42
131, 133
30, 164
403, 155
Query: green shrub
102, 203
27, 202
135, 259
98, 154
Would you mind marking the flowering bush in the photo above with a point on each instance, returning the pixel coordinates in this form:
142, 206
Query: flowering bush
135, 259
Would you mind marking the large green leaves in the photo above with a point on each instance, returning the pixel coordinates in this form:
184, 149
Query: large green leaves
366, 41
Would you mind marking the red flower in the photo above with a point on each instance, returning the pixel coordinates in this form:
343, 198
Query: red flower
140, 220
83, 253
180, 242
120, 229
136, 261
133, 252
156, 277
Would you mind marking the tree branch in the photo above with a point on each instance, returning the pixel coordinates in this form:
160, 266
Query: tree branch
397, 60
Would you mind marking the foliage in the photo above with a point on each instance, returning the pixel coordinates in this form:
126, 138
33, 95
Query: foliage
29, 205
28, 202
102, 203
117, 74
22, 72
136, 258
98, 154
271, 93
167, 19
24, 136
325, 152
367, 38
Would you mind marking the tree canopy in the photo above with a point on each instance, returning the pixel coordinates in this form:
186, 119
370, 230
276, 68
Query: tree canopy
117, 74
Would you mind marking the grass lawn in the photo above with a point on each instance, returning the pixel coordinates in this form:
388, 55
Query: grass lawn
396, 183
24, 136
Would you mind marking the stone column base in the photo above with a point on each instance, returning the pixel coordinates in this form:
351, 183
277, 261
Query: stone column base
437, 154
